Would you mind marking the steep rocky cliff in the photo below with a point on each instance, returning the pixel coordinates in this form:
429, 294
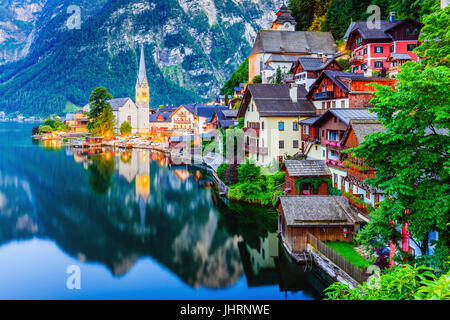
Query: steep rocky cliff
192, 47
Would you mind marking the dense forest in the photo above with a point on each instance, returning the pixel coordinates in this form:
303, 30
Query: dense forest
335, 15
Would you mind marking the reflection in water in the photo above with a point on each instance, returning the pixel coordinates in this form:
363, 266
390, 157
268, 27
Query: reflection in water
118, 208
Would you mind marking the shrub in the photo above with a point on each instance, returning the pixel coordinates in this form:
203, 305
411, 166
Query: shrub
221, 171
257, 79
125, 128
249, 172
45, 128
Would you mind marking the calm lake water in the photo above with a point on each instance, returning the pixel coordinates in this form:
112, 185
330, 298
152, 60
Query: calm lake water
136, 227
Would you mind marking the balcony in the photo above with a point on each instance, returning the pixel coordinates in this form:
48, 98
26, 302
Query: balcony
252, 132
310, 138
335, 164
335, 145
356, 59
324, 95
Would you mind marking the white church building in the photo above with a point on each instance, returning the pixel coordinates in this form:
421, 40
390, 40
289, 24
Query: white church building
136, 114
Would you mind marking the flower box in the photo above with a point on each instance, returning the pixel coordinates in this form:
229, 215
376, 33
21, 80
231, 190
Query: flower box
328, 161
333, 162
332, 144
327, 142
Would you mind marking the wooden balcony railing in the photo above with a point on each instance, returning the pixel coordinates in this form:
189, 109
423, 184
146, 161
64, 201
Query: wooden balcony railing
356, 59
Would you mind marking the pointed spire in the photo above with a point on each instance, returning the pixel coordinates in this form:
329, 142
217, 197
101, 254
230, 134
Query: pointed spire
142, 75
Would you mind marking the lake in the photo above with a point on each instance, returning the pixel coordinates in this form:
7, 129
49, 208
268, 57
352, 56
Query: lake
134, 227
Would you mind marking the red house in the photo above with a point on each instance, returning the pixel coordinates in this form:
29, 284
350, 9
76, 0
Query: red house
306, 177
371, 44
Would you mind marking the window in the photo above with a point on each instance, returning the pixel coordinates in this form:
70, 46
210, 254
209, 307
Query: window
323, 133
411, 46
408, 31
295, 144
281, 144
334, 104
378, 49
378, 64
332, 135
392, 48
281, 126
295, 126
262, 125
335, 179
416, 31
365, 51
342, 104
334, 119
129, 119
323, 105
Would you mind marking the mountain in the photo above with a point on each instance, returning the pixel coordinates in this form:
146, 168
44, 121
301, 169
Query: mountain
192, 47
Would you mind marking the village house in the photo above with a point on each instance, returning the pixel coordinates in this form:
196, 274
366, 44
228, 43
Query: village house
396, 60
306, 177
371, 46
183, 118
328, 218
335, 89
283, 41
306, 69
272, 113
223, 119
331, 127
203, 116
357, 170
160, 121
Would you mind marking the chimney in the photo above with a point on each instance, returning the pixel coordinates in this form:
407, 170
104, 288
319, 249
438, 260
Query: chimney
293, 92
392, 16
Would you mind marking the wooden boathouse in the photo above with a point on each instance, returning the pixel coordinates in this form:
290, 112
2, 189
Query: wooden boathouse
328, 218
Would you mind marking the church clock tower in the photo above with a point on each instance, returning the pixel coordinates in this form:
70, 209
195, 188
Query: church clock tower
143, 97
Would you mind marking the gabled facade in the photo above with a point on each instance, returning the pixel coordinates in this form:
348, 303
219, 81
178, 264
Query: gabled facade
183, 118
125, 110
271, 115
335, 89
371, 46
306, 177
306, 70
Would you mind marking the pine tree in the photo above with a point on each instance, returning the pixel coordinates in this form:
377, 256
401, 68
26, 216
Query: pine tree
279, 77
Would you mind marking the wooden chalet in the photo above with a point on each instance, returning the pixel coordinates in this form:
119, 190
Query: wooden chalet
335, 89
328, 218
311, 176
357, 169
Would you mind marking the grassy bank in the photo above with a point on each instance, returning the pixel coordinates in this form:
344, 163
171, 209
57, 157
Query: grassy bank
347, 251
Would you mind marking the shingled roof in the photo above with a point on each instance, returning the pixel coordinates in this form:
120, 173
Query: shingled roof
305, 42
298, 168
317, 210
273, 100
347, 114
117, 103
363, 127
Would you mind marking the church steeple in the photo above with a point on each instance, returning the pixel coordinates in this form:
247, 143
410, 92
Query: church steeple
142, 87
284, 20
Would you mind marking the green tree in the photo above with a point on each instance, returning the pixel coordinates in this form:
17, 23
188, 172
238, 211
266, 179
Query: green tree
257, 79
412, 156
98, 100
249, 172
104, 124
125, 128
279, 76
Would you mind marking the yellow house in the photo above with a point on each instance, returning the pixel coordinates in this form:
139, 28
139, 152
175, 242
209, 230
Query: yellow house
272, 113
